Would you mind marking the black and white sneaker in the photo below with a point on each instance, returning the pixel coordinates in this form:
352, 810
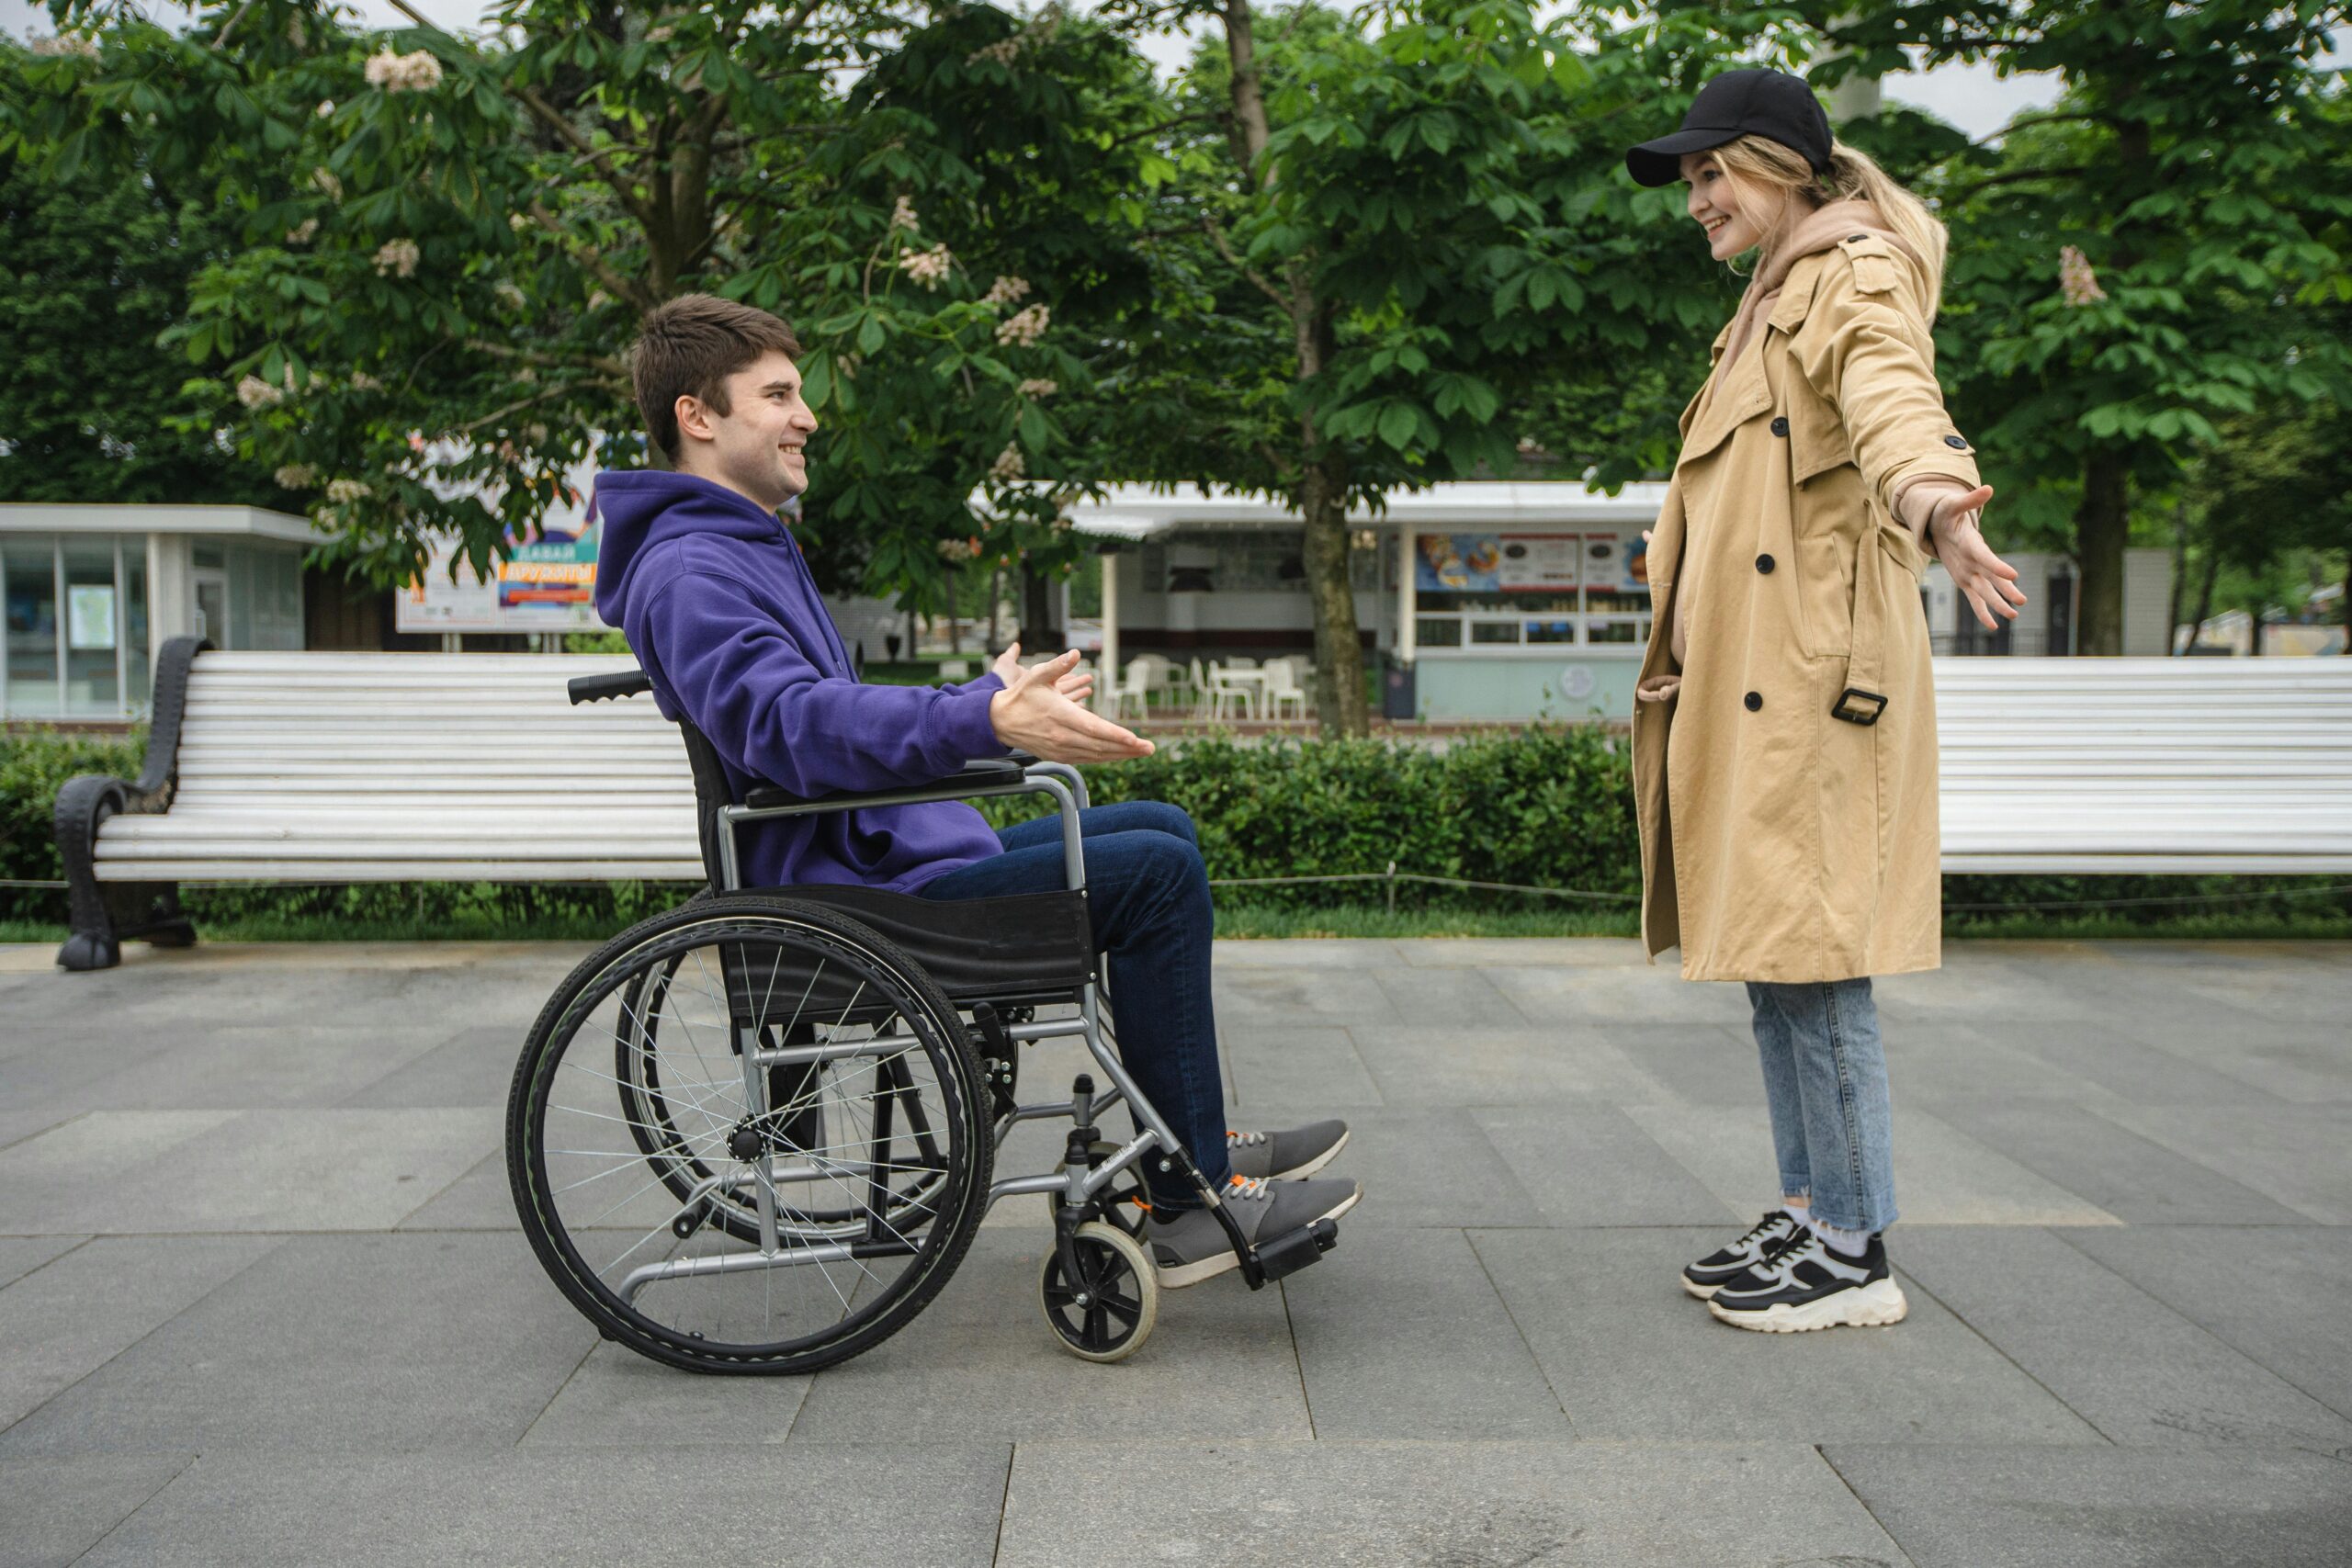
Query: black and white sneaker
1809, 1284
1771, 1231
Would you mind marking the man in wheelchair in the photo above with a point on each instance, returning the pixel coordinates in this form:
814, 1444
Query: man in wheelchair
720, 607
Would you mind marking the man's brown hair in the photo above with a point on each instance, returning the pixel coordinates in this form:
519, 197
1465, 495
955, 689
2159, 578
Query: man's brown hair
688, 348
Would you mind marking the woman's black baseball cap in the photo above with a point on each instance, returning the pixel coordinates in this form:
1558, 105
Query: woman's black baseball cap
1770, 104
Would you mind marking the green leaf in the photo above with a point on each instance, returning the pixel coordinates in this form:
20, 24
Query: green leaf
1398, 423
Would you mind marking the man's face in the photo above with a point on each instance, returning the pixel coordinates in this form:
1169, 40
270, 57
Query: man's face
760, 446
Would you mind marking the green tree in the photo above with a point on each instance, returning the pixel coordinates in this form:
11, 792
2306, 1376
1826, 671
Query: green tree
98, 270
446, 243
2138, 262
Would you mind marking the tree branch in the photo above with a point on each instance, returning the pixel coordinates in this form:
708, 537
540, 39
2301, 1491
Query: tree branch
603, 363
2023, 122
1224, 249
623, 287
2014, 176
553, 118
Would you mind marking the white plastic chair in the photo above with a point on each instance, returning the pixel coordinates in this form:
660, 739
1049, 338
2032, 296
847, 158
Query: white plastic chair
1220, 690
1135, 681
1282, 688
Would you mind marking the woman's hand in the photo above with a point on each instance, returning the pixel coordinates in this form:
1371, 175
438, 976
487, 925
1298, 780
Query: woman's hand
1657, 689
1953, 531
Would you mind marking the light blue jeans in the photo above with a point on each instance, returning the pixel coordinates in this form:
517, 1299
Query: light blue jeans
1824, 1081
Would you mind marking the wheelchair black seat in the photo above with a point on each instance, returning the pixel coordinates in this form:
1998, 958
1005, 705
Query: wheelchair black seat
1020, 950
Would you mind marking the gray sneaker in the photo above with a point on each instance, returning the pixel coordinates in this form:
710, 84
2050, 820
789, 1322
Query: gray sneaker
1288, 1155
1192, 1246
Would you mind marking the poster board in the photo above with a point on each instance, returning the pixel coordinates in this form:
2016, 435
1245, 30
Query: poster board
1497, 563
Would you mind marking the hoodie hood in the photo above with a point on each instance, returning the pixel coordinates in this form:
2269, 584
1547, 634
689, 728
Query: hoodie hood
642, 508
1818, 231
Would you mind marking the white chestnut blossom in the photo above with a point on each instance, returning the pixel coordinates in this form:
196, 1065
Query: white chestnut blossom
342, 492
256, 393
302, 233
1005, 290
326, 107
1024, 327
1009, 466
397, 258
929, 267
363, 382
295, 476
2076, 280
902, 216
323, 178
417, 72
1038, 387
67, 44
509, 296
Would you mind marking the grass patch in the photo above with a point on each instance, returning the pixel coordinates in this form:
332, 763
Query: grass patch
1253, 922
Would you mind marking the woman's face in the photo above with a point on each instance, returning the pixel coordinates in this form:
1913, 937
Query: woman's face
1729, 230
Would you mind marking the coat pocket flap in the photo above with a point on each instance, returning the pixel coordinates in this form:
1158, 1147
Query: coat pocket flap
1817, 441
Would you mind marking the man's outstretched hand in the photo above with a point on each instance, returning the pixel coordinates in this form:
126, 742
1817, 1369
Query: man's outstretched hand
1038, 712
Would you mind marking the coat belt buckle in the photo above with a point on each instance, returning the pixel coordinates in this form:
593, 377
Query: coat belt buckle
1854, 715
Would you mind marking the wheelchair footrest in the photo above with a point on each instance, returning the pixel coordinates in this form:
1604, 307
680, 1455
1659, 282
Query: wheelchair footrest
1293, 1250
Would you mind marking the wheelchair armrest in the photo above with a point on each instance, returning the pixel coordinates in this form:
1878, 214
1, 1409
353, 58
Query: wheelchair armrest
981, 775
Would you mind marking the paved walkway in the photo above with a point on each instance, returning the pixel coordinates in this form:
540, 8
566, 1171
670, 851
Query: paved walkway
263, 1299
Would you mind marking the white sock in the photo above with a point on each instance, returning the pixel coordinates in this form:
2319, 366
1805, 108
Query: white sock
1853, 1243
1798, 1213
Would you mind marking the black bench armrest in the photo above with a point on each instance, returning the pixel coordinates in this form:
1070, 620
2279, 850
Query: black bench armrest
982, 775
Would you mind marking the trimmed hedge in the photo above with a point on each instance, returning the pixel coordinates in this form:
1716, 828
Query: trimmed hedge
1548, 807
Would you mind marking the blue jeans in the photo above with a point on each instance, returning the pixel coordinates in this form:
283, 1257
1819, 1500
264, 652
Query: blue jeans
1825, 1080
1149, 895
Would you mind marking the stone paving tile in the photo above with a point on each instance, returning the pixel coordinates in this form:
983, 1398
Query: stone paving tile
1635, 1360
1390, 1504
62, 1322
2024, 1507
477, 1068
134, 1172
1511, 953
2136, 1180
1933, 1061
927, 1505
330, 1343
480, 1199
20, 1255
1401, 1335
2143, 1373
1281, 1064
58, 1509
1941, 1176
1354, 954
2133, 1071
619, 1399
2302, 1068
1445, 999
1419, 1064
214, 1067
2278, 1296
1593, 994
1592, 1165
2293, 1153
1422, 1167
981, 1363
1698, 1063
1979, 981
1316, 997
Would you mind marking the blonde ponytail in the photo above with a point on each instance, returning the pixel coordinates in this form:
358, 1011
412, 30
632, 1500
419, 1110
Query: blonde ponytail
1761, 171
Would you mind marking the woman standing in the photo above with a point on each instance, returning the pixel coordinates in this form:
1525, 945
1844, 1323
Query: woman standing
1784, 741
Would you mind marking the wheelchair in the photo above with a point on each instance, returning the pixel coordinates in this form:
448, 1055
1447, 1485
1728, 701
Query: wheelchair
756, 1134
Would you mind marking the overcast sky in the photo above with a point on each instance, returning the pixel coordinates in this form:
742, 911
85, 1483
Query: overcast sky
1969, 97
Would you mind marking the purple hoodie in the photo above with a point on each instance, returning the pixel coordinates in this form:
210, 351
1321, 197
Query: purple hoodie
719, 608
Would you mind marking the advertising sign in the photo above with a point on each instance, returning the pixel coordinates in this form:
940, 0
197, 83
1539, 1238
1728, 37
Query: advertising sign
1496, 563
545, 585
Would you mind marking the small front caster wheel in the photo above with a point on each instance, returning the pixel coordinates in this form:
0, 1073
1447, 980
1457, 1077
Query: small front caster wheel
1107, 1314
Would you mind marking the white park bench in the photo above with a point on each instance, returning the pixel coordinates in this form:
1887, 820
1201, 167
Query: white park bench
386, 767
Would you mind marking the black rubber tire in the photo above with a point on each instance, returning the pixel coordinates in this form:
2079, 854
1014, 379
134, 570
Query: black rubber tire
752, 917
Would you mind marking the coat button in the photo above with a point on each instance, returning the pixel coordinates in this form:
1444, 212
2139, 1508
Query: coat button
1851, 237
1754, 701
1957, 441
1764, 565
1780, 425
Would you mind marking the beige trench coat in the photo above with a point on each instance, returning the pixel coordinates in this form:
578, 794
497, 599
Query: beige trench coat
1780, 842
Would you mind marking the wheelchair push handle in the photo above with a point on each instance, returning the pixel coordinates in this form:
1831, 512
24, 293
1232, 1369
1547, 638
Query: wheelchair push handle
596, 688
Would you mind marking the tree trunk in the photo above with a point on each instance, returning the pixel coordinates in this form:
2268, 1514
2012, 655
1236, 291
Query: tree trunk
996, 610
2100, 523
1037, 634
2205, 593
1322, 492
2179, 575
